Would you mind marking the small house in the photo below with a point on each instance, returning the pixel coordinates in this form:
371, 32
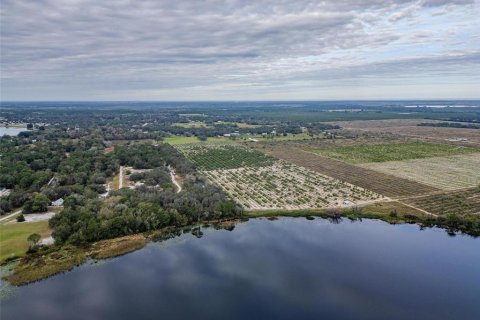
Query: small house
58, 202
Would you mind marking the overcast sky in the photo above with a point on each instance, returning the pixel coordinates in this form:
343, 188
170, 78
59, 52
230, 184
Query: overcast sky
239, 50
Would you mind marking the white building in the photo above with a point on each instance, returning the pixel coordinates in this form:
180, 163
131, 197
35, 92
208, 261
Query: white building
58, 202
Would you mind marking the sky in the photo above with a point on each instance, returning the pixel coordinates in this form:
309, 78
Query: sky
239, 50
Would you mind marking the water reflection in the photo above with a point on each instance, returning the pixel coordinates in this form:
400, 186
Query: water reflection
283, 269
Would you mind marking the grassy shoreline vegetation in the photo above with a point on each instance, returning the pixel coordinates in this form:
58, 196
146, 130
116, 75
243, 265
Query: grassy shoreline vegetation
389, 212
48, 261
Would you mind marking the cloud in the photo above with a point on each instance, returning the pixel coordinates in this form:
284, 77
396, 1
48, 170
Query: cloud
87, 48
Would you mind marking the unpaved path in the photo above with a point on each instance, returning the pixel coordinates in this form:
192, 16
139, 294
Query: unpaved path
10, 215
174, 180
416, 208
120, 181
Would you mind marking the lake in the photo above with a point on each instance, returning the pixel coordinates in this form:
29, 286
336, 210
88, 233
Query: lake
11, 131
290, 268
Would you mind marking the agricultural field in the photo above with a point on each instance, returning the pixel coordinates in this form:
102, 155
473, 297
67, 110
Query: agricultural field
447, 173
364, 153
381, 183
212, 157
178, 140
192, 124
460, 202
409, 128
286, 186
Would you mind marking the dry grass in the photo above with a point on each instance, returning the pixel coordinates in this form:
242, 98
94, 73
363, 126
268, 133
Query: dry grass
44, 264
116, 247
389, 207
447, 173
52, 260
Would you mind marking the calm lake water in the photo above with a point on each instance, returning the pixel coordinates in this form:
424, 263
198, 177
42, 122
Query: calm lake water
11, 131
284, 269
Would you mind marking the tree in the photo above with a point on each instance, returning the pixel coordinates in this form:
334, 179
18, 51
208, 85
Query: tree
20, 218
40, 203
34, 238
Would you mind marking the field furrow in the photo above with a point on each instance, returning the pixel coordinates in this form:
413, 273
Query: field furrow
447, 173
385, 184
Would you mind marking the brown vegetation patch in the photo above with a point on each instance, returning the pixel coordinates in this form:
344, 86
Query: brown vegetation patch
392, 208
45, 263
116, 247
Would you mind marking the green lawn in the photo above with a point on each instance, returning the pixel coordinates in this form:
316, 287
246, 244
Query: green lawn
13, 237
391, 152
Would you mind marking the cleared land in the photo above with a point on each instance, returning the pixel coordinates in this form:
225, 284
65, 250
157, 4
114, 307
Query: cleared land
447, 173
287, 186
409, 128
178, 140
391, 151
211, 157
13, 237
193, 124
460, 202
384, 184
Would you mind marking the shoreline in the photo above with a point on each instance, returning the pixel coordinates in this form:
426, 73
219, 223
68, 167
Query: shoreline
51, 260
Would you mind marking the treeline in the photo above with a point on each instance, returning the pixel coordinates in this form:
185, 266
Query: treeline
129, 211
143, 156
449, 125
52, 169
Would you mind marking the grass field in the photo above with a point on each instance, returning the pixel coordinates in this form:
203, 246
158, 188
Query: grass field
287, 186
211, 157
391, 152
447, 173
13, 237
384, 184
